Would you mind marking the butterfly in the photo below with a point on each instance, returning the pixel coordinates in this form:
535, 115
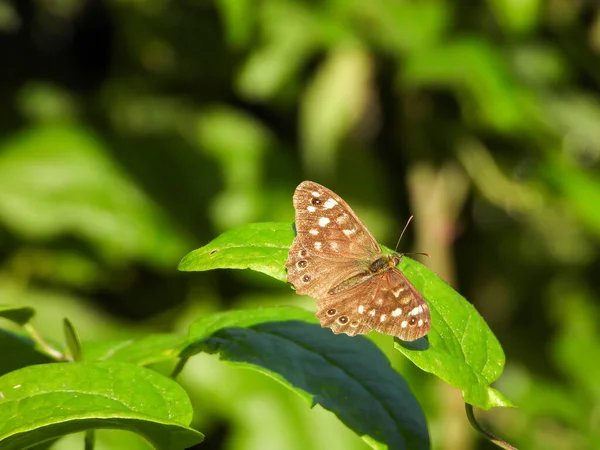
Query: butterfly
336, 260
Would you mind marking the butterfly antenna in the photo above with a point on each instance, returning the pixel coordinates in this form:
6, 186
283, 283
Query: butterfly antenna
402, 234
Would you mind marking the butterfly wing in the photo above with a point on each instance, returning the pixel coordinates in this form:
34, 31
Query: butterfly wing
331, 243
386, 302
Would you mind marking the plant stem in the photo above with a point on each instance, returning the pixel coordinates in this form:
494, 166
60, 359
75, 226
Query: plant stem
496, 440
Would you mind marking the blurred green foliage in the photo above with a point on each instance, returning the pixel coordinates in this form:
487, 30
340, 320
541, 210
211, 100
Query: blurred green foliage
132, 132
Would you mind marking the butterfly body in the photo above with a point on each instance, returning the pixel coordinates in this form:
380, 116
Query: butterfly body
336, 260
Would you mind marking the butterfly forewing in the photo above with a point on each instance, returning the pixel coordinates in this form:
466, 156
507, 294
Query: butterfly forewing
323, 216
336, 260
331, 242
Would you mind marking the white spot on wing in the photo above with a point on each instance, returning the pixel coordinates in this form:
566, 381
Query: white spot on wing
382, 318
416, 310
330, 203
420, 322
349, 232
361, 309
397, 312
311, 208
323, 221
398, 292
316, 194
318, 245
314, 232
333, 245
380, 301
372, 313
404, 324
341, 219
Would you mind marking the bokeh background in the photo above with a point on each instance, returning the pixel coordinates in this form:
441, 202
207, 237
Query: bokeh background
133, 131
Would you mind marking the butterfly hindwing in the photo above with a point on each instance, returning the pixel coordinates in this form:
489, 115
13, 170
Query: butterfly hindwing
386, 302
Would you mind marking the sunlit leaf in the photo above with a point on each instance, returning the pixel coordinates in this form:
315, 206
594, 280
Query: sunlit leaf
460, 348
43, 402
259, 246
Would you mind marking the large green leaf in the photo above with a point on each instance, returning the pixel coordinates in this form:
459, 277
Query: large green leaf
348, 376
460, 349
44, 402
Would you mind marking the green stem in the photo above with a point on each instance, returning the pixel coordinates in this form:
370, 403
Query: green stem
499, 442
50, 351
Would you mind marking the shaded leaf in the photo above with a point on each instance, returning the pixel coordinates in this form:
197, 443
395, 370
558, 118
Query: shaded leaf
349, 376
17, 314
18, 351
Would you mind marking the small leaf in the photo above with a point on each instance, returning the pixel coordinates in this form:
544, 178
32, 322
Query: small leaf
258, 246
349, 376
44, 402
17, 314
72, 339
460, 348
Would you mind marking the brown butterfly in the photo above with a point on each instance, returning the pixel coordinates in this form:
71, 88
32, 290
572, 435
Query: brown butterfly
336, 260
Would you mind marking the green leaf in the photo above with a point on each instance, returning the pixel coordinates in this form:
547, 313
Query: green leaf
460, 348
58, 180
17, 314
258, 246
487, 92
43, 402
18, 351
72, 339
579, 188
349, 376
245, 318
150, 349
